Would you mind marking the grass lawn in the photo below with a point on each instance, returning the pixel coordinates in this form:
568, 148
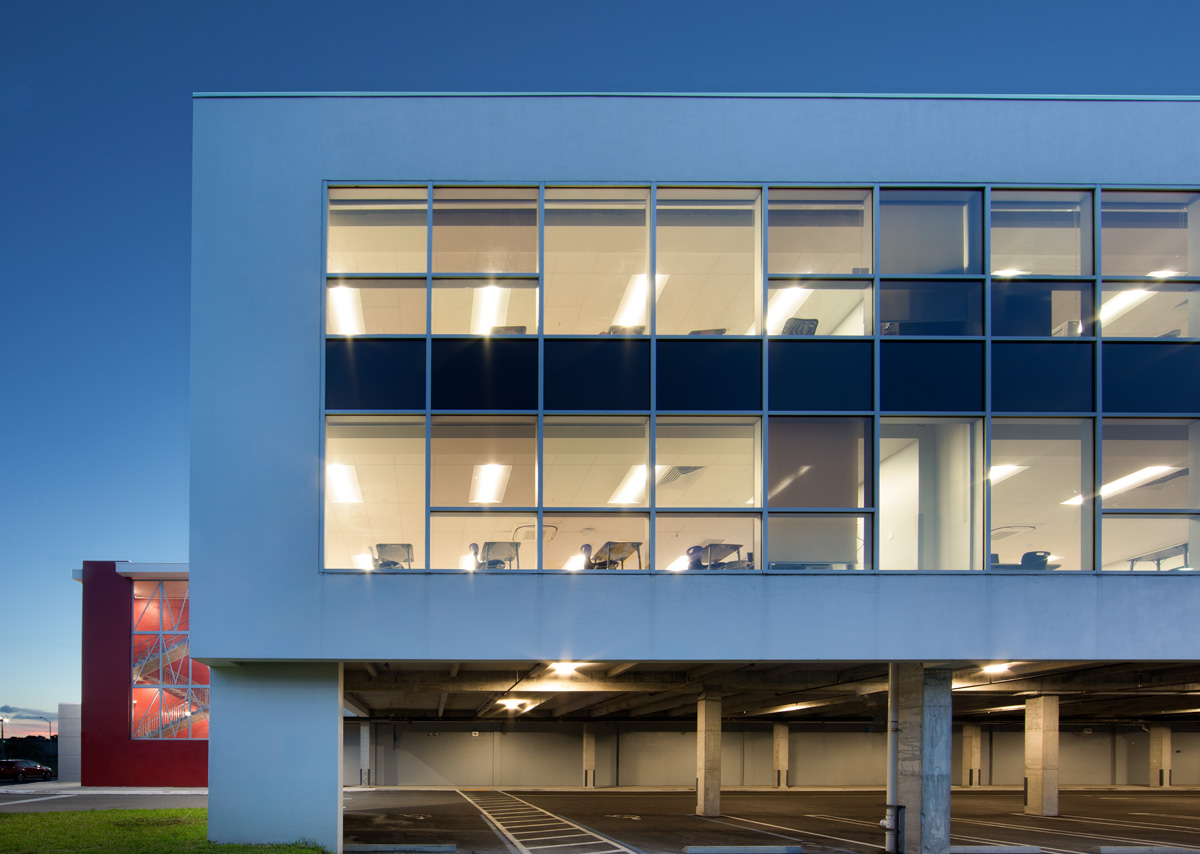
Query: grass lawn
178, 831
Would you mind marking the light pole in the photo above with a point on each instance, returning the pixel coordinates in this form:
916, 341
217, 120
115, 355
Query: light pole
49, 726
3, 743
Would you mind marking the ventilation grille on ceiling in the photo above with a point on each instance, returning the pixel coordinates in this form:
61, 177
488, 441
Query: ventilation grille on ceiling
681, 476
528, 533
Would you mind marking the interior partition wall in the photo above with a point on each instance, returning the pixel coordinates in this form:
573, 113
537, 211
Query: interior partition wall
821, 379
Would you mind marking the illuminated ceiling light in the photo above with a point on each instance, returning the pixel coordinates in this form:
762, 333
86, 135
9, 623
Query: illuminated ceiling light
489, 308
782, 305
488, 483
999, 473
632, 489
678, 565
1121, 303
632, 309
341, 484
510, 703
573, 563
1129, 481
1009, 273
997, 668
345, 311
565, 668
363, 562
1163, 274
467, 562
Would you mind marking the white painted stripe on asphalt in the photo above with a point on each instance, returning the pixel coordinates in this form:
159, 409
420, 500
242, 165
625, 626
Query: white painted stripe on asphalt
874, 844
1034, 828
35, 800
496, 806
1141, 825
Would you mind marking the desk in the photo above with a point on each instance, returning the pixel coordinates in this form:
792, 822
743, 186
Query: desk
613, 554
1159, 556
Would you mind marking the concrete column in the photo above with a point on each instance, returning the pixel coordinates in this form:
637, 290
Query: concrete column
1041, 756
364, 753
1160, 756
924, 748
70, 740
286, 720
972, 755
708, 754
589, 756
780, 755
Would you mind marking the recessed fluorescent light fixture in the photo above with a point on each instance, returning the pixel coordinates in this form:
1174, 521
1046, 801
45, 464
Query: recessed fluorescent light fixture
632, 489
488, 483
574, 563
345, 311
467, 562
996, 668
1009, 273
1121, 303
489, 308
363, 562
1128, 482
1163, 274
999, 473
632, 310
341, 484
678, 565
783, 304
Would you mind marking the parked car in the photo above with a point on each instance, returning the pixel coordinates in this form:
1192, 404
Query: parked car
22, 770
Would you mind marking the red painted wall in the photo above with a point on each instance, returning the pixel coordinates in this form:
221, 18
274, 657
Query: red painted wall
110, 757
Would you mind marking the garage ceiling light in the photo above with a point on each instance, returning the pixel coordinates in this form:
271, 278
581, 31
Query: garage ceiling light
997, 668
565, 668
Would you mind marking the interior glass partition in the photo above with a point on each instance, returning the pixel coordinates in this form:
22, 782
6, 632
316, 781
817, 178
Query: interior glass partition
1041, 233
377, 230
597, 251
708, 261
930, 493
1040, 469
374, 492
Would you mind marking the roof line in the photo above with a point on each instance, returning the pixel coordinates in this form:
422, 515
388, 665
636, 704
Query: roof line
764, 95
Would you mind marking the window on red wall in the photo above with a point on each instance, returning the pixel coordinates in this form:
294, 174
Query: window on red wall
169, 691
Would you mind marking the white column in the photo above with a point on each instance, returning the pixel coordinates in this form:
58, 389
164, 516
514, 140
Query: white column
1041, 756
924, 748
364, 753
589, 756
780, 755
708, 755
70, 743
972, 755
1160, 756
286, 721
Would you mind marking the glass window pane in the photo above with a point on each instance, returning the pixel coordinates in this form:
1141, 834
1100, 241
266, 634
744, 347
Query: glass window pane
705, 542
812, 307
707, 462
1150, 543
1149, 234
374, 492
377, 229
485, 230
597, 261
375, 307
925, 232
822, 232
146, 713
819, 462
1150, 310
818, 542
594, 462
481, 307
1147, 464
1041, 232
931, 308
601, 541
176, 613
709, 261
1041, 309
471, 541
930, 491
483, 461
147, 606
1039, 469
147, 659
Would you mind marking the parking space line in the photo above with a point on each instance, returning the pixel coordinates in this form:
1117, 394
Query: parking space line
807, 832
523, 823
35, 800
1036, 829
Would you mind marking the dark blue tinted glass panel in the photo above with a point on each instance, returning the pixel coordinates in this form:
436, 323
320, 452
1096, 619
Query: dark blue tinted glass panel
484, 373
931, 376
603, 375
375, 374
931, 308
1151, 377
704, 375
820, 376
1041, 309
1042, 377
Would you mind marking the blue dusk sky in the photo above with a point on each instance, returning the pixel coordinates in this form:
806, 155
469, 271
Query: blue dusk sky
95, 129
